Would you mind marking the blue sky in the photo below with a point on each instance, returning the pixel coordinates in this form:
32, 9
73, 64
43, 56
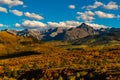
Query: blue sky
58, 13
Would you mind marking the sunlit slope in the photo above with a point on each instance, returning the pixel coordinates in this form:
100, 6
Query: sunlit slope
8, 43
11, 44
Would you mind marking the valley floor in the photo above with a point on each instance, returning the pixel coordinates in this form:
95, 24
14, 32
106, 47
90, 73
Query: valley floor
62, 61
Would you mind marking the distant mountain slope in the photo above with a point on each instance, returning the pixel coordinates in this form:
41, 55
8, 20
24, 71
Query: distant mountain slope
27, 32
113, 36
54, 34
60, 33
81, 31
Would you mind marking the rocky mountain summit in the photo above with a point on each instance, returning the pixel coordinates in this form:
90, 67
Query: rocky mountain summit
60, 33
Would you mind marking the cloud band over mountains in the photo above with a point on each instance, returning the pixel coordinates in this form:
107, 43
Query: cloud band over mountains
65, 24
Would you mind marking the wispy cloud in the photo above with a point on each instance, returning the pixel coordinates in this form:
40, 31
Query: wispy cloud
1, 25
86, 16
97, 26
89, 16
11, 3
17, 25
33, 16
111, 5
71, 7
101, 14
16, 12
118, 16
95, 5
2, 9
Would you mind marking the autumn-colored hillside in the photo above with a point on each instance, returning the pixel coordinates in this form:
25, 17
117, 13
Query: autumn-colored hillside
27, 58
11, 44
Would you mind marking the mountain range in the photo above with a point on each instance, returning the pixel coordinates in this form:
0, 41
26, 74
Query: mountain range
82, 34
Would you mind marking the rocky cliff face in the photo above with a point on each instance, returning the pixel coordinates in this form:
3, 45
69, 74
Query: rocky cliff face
36, 34
80, 32
54, 34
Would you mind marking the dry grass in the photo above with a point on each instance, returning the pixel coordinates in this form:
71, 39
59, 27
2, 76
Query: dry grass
56, 55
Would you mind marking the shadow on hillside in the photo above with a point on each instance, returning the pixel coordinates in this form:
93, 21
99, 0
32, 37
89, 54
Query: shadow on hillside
20, 54
64, 74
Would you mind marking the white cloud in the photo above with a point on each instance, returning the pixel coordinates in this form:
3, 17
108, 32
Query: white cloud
89, 13
16, 12
95, 5
32, 24
65, 24
104, 15
111, 5
55, 24
89, 16
72, 6
33, 16
72, 23
36, 24
1, 25
11, 3
86, 16
2, 9
96, 26
17, 25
